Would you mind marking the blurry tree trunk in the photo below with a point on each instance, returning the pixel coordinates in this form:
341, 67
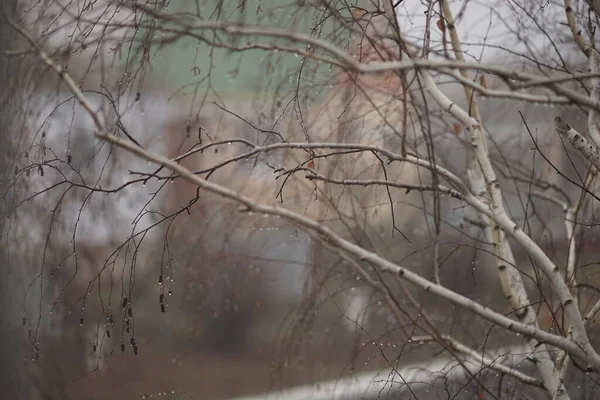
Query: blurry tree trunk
12, 385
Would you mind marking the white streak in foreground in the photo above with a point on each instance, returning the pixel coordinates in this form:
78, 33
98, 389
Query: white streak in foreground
372, 384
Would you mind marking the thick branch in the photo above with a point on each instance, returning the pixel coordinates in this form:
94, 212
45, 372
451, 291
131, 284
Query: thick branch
484, 184
573, 27
579, 143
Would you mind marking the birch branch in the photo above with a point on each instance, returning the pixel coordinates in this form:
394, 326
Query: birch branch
484, 183
510, 94
482, 358
578, 142
562, 359
511, 228
381, 182
593, 311
573, 27
594, 115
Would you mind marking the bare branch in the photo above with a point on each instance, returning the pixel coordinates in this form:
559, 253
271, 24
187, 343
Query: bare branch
485, 360
356, 251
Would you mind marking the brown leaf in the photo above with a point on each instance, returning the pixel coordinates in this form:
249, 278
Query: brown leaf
311, 164
482, 81
457, 129
440, 24
358, 13
548, 322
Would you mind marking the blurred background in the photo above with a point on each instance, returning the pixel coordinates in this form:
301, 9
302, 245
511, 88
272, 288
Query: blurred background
139, 288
